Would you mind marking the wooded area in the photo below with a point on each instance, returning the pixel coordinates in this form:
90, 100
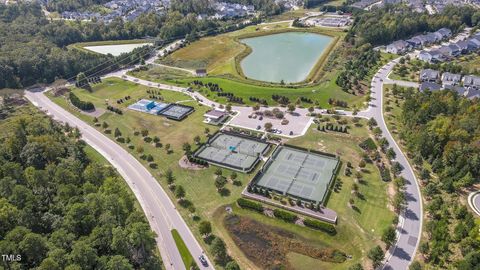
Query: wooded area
60, 210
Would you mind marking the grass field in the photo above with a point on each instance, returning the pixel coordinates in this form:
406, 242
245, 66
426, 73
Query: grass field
161, 74
182, 248
359, 228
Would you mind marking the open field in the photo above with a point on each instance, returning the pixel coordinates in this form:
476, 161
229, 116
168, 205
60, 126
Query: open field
358, 228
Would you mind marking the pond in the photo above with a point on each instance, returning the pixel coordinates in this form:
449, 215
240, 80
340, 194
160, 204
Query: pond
115, 50
287, 56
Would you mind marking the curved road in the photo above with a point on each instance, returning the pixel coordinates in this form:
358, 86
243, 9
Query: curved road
159, 209
410, 224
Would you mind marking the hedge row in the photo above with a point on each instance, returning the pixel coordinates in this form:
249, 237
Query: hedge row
318, 225
82, 105
286, 216
249, 204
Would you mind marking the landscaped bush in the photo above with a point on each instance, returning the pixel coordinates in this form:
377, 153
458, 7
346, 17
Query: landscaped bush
318, 225
286, 216
368, 145
249, 204
82, 105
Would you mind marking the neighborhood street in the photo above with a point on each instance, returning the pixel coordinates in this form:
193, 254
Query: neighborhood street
159, 209
410, 224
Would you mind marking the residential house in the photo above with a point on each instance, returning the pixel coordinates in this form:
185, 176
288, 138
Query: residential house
473, 44
201, 72
471, 81
445, 32
446, 51
460, 90
414, 42
451, 79
432, 38
429, 75
431, 56
455, 49
430, 86
398, 47
463, 46
472, 93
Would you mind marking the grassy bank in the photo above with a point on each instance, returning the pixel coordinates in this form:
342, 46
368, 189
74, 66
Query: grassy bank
182, 248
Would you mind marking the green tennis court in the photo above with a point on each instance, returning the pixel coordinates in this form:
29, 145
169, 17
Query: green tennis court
232, 151
298, 173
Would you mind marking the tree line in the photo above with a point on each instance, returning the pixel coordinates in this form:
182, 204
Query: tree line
61, 210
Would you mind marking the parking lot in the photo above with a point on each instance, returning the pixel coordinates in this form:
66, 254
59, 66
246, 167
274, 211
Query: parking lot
298, 122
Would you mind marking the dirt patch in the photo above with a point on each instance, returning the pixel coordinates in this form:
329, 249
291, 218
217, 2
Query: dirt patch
185, 164
268, 246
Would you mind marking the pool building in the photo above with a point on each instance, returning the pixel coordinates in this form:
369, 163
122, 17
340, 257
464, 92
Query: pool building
170, 110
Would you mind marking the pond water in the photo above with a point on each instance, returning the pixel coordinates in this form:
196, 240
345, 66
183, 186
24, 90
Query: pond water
115, 50
286, 56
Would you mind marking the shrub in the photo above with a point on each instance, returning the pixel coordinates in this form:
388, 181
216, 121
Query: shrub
286, 216
318, 225
82, 105
249, 204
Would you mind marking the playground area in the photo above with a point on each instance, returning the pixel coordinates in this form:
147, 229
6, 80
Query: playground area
302, 174
232, 151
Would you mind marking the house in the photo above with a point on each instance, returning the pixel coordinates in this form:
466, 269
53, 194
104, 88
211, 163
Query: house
451, 79
430, 86
471, 81
414, 42
201, 72
445, 32
432, 38
398, 47
460, 90
462, 46
429, 75
473, 44
472, 93
431, 56
215, 117
455, 49
446, 51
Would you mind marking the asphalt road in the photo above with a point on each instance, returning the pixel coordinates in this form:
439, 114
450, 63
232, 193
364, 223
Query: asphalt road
410, 224
159, 209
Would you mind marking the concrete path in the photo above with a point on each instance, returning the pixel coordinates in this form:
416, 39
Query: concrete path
474, 202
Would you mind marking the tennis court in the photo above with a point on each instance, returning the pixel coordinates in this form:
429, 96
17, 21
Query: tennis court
177, 111
301, 174
232, 151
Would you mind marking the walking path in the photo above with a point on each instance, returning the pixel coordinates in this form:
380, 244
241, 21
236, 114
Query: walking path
474, 201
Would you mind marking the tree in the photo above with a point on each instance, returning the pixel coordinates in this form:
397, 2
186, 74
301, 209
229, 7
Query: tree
205, 228
376, 254
228, 107
268, 126
33, 248
372, 123
117, 133
119, 262
220, 182
256, 107
169, 176
207, 130
291, 107
415, 265
179, 192
104, 125
82, 81
389, 236
196, 139
167, 148
232, 265
219, 251
391, 153
311, 109
187, 148
356, 266
233, 175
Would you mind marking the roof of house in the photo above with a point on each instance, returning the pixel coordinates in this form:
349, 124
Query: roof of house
444, 31
460, 90
429, 74
430, 86
447, 76
471, 80
472, 93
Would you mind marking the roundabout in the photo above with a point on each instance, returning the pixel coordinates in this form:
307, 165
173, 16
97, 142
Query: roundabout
474, 202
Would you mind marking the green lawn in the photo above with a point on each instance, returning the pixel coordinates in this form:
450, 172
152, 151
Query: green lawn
182, 248
358, 229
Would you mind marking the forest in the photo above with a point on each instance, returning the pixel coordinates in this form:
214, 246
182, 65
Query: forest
382, 26
33, 49
442, 135
61, 210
